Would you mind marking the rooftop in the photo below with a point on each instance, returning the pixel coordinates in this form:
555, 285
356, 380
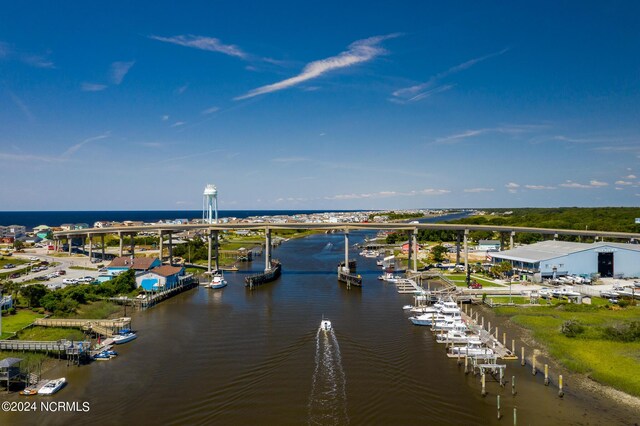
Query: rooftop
551, 249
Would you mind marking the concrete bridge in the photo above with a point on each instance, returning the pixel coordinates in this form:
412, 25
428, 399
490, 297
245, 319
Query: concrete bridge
212, 230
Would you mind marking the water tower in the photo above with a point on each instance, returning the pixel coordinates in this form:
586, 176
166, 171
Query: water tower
210, 204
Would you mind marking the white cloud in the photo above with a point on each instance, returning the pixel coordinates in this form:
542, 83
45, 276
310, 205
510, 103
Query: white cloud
592, 184
37, 61
165, 117
597, 183
22, 106
508, 129
631, 177
426, 89
119, 70
178, 124
539, 187
623, 182
359, 51
211, 110
92, 87
180, 90
28, 157
479, 190
210, 44
512, 187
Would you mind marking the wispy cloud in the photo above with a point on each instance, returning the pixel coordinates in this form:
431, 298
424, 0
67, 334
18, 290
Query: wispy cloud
211, 110
92, 87
623, 182
37, 61
165, 117
358, 52
119, 70
429, 87
178, 124
632, 176
473, 190
592, 184
513, 130
22, 106
539, 187
73, 149
180, 90
386, 194
210, 44
289, 159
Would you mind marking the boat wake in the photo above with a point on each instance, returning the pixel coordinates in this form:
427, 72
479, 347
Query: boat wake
328, 399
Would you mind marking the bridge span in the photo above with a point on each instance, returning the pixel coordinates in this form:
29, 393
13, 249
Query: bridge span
212, 231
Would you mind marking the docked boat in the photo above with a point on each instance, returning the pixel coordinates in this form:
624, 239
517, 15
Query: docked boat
124, 338
448, 323
52, 386
102, 356
29, 391
453, 336
218, 281
325, 324
473, 348
426, 319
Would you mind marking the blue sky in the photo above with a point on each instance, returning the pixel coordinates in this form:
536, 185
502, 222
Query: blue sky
319, 105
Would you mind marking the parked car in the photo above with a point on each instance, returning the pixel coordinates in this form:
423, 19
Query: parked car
69, 281
475, 285
61, 272
14, 275
87, 279
34, 258
9, 266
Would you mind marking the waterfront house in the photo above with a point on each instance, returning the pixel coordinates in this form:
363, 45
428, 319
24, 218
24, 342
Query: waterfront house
138, 264
161, 278
405, 248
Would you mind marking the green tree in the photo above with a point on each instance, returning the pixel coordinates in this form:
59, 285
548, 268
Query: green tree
18, 245
438, 253
33, 294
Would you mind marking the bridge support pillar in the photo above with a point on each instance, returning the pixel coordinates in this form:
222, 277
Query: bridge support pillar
216, 237
102, 245
120, 236
513, 234
466, 249
414, 244
161, 247
133, 244
69, 240
267, 246
209, 251
346, 251
90, 238
170, 248
458, 247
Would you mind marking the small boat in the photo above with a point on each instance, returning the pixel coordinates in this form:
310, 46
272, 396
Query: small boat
218, 281
52, 386
102, 356
124, 338
28, 392
474, 348
407, 307
325, 324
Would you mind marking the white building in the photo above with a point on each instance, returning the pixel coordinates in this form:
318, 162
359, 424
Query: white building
548, 258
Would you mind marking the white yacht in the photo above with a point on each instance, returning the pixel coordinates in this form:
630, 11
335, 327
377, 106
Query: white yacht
52, 386
454, 336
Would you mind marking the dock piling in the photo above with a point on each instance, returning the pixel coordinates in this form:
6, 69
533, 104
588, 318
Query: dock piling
498, 403
560, 391
515, 416
504, 339
533, 365
522, 362
546, 374
484, 390
466, 364
513, 385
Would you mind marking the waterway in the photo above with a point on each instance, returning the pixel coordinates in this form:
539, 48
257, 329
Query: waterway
236, 357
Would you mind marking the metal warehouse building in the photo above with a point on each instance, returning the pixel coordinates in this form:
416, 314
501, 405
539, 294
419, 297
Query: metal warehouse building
548, 258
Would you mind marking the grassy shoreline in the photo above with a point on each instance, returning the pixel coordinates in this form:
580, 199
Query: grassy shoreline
592, 353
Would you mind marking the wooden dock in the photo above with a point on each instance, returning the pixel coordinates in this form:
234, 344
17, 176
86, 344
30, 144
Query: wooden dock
489, 340
106, 328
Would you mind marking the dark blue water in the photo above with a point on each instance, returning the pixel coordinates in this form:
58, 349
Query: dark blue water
31, 219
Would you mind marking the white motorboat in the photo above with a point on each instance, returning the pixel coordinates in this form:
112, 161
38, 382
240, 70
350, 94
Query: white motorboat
473, 348
124, 338
218, 281
447, 324
325, 324
408, 307
453, 336
52, 386
425, 319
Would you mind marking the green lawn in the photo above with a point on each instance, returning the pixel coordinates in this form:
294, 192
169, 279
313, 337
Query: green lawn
610, 362
461, 280
51, 334
13, 323
101, 309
